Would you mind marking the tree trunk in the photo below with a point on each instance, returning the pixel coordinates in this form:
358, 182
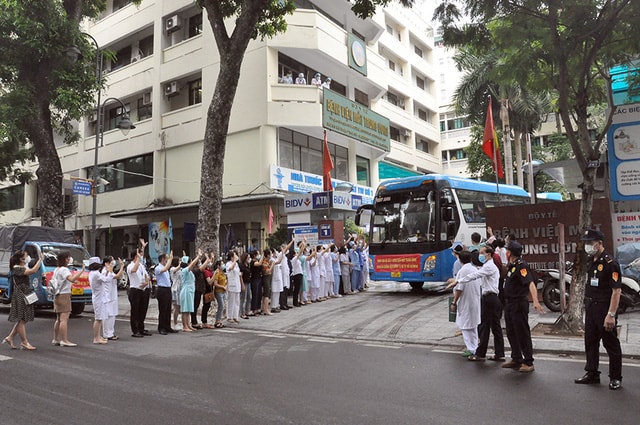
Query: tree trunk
517, 139
231, 52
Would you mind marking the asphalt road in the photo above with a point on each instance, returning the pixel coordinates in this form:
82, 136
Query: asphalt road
235, 376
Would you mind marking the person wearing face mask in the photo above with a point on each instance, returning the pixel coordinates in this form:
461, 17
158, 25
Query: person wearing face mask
255, 266
21, 312
518, 286
111, 299
466, 304
602, 295
490, 306
296, 273
100, 275
62, 301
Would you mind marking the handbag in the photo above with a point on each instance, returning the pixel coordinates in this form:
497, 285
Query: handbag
209, 297
30, 298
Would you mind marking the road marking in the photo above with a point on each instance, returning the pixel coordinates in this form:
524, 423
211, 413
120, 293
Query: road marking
320, 339
273, 336
3, 358
380, 345
227, 331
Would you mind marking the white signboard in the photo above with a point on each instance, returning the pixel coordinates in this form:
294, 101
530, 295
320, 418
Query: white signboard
625, 228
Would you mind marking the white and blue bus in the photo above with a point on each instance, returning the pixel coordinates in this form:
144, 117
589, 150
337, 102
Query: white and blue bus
414, 222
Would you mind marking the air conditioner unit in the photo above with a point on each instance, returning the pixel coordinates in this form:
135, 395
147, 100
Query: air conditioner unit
406, 133
93, 117
171, 88
146, 98
136, 58
172, 23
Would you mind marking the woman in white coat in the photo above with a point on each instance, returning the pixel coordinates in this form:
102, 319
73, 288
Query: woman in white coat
111, 299
234, 287
98, 277
466, 301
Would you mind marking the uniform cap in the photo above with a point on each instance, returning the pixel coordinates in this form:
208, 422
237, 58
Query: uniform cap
185, 259
592, 235
515, 248
95, 260
457, 247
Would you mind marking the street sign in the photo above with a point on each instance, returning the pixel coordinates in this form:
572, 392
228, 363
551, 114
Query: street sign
325, 231
81, 187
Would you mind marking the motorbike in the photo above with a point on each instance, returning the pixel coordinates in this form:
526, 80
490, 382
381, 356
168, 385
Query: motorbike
629, 297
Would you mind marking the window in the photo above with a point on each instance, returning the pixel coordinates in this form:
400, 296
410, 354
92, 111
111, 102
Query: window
123, 58
417, 50
119, 4
393, 98
114, 115
287, 64
361, 97
420, 82
394, 133
301, 152
422, 145
443, 126
145, 46
144, 111
362, 170
195, 92
126, 173
392, 65
12, 198
458, 123
195, 25
422, 114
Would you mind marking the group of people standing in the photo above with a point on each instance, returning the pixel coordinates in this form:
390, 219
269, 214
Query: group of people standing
485, 284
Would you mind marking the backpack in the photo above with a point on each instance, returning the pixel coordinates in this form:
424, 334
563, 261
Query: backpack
53, 286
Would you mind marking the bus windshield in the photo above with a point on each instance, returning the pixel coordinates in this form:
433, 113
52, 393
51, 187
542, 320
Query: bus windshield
407, 216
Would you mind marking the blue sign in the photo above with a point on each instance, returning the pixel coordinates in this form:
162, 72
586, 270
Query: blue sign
624, 153
81, 187
320, 200
325, 231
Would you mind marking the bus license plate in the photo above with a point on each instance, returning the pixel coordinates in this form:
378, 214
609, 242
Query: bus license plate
77, 291
396, 274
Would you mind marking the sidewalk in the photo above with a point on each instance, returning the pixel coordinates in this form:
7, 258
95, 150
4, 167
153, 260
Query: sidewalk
389, 312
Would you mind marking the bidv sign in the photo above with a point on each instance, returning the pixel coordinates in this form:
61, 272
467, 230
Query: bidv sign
297, 203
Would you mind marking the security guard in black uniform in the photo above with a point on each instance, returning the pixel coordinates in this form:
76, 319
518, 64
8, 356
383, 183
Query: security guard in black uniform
602, 295
518, 285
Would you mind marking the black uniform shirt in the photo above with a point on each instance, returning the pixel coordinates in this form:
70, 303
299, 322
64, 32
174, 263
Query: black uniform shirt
603, 275
519, 276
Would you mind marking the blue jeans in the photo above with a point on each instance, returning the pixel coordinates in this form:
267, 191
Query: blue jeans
220, 297
356, 279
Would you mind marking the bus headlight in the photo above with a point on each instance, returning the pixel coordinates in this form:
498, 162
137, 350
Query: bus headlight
429, 263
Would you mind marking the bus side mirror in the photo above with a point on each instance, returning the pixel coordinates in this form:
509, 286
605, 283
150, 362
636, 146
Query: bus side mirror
447, 214
359, 211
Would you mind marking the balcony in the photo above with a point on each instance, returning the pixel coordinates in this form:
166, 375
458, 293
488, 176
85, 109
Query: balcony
294, 105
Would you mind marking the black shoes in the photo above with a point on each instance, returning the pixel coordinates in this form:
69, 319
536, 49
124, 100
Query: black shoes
146, 333
591, 378
137, 335
172, 331
615, 384
162, 332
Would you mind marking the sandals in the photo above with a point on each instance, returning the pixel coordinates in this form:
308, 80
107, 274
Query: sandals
218, 325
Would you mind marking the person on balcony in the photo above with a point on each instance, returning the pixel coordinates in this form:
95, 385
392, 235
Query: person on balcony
317, 80
287, 79
327, 83
301, 79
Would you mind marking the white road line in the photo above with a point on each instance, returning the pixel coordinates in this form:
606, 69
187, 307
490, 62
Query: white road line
226, 331
3, 358
395, 347
273, 336
328, 341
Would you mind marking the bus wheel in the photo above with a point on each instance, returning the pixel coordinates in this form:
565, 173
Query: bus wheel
416, 285
77, 309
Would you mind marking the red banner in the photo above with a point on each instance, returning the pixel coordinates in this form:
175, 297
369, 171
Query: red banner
397, 263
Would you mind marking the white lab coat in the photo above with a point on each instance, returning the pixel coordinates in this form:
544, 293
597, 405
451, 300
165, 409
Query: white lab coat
468, 312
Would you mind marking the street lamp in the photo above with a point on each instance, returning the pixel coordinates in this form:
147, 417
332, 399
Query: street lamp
124, 125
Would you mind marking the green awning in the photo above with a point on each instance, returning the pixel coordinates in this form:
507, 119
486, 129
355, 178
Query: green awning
390, 171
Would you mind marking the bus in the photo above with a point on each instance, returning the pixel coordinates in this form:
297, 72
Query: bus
414, 222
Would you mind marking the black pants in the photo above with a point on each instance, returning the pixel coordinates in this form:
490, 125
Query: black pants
256, 293
196, 303
594, 331
139, 304
490, 314
516, 316
145, 304
296, 284
163, 295
284, 295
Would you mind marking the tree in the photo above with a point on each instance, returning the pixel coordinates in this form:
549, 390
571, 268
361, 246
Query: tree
42, 91
251, 19
564, 45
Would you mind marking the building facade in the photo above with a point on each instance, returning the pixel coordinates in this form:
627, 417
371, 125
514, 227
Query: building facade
164, 70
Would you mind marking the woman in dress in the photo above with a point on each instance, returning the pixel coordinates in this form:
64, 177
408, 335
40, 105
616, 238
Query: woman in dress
256, 281
234, 287
21, 312
188, 290
176, 286
63, 279
267, 266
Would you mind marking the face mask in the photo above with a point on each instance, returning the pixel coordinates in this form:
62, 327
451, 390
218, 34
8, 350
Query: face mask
113, 263
590, 249
258, 257
482, 259
296, 250
70, 261
27, 260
